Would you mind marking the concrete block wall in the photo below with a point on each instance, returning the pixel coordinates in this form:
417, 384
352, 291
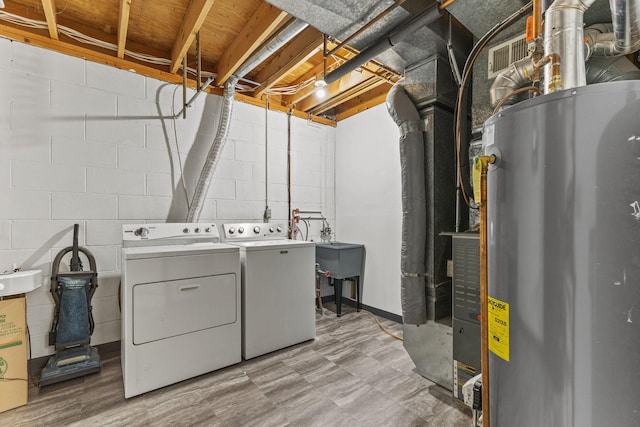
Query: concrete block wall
85, 143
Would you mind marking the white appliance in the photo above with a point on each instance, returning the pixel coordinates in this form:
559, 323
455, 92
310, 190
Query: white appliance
278, 287
180, 303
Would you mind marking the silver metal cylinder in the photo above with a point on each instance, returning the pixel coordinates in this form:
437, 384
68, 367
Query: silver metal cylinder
564, 254
563, 35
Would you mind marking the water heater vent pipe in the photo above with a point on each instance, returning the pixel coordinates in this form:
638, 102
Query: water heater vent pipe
563, 35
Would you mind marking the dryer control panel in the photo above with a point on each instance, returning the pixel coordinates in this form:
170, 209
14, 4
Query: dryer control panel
254, 231
172, 233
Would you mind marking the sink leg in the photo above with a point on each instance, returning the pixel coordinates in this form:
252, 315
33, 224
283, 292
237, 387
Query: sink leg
338, 293
358, 303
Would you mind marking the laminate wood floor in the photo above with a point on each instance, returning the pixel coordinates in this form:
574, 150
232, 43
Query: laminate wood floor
353, 374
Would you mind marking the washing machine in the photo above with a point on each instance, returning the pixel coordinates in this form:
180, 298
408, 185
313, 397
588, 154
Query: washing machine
180, 303
278, 287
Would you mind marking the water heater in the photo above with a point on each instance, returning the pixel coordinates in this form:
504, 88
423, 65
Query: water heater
564, 259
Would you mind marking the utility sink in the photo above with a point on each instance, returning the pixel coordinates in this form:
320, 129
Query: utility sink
343, 260
20, 282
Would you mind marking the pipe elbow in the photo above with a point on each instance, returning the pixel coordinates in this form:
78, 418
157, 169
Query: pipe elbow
517, 75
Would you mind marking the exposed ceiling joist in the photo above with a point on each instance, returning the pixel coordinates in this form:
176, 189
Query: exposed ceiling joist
348, 94
28, 37
123, 25
134, 37
263, 22
346, 83
297, 52
316, 71
49, 7
362, 102
307, 91
193, 20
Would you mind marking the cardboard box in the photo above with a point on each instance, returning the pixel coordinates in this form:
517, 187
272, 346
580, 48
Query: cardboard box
13, 353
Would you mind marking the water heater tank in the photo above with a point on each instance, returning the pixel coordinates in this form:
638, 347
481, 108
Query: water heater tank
564, 259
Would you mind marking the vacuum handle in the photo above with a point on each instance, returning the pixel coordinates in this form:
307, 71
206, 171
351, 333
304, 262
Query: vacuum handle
76, 263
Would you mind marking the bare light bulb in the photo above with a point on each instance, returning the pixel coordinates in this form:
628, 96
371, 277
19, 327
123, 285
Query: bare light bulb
320, 85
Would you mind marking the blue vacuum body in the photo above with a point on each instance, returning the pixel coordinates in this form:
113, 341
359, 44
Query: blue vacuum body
73, 320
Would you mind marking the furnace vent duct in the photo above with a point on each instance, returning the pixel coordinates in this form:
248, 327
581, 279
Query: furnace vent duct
414, 207
514, 77
564, 36
602, 69
619, 38
283, 36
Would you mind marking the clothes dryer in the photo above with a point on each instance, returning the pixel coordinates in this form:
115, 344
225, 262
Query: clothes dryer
180, 303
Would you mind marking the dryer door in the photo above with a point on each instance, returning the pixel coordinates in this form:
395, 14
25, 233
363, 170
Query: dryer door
166, 309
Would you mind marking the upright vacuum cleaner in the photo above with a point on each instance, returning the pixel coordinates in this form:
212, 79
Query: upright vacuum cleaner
73, 321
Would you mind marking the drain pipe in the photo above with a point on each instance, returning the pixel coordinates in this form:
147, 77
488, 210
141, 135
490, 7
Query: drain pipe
386, 42
414, 205
283, 36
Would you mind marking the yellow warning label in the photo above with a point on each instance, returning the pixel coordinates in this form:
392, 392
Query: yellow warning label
499, 328
476, 174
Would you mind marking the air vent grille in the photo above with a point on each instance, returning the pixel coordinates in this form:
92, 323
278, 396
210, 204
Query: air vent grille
500, 56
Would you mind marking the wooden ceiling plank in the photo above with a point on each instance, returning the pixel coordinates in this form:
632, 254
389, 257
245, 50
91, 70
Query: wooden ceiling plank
348, 95
45, 42
296, 53
123, 26
263, 22
363, 102
49, 7
193, 19
345, 83
309, 90
332, 63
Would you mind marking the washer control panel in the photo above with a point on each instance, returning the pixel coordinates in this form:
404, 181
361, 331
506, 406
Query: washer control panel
254, 231
179, 232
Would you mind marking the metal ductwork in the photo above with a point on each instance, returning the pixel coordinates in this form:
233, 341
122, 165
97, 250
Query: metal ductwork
275, 42
621, 37
386, 42
514, 77
602, 69
563, 35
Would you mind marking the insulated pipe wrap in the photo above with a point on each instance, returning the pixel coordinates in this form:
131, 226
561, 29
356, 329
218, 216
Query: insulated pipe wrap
283, 36
214, 152
414, 209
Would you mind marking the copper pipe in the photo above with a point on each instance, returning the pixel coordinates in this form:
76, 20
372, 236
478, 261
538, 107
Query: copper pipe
514, 93
484, 308
537, 18
556, 75
445, 4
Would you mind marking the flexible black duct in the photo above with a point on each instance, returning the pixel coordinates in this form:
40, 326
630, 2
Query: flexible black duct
414, 207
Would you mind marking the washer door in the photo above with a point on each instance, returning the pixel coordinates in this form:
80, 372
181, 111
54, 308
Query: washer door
166, 309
